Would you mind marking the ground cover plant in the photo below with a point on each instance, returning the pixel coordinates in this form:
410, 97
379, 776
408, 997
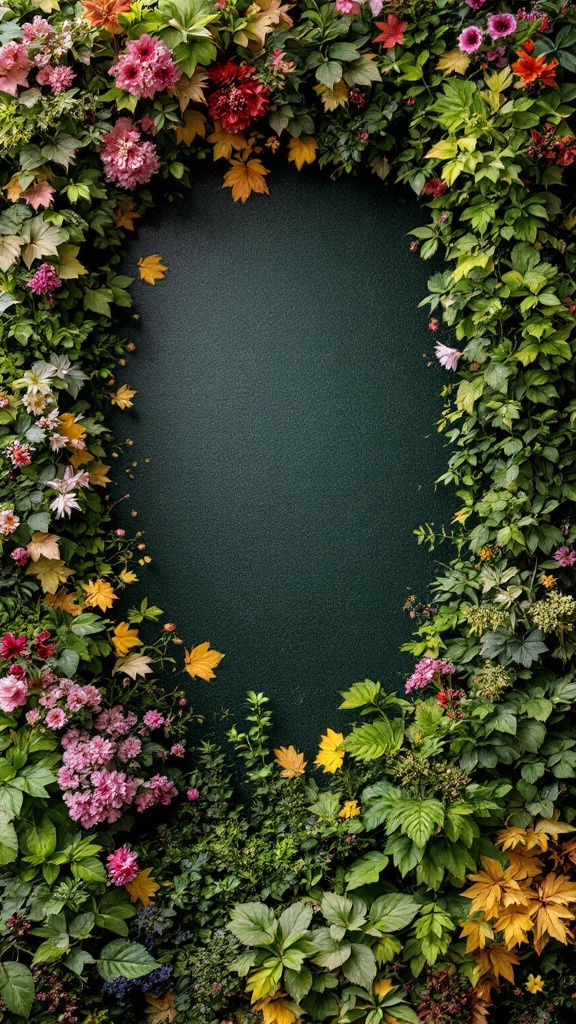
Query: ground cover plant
425, 868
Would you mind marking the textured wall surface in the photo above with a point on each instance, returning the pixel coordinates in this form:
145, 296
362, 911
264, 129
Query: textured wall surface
286, 403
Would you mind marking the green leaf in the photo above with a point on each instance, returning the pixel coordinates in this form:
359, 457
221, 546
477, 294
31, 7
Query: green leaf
366, 869
329, 74
417, 818
331, 953
52, 950
370, 741
360, 967
77, 960
253, 924
360, 694
538, 707
8, 838
297, 983
294, 923
17, 988
393, 911
125, 959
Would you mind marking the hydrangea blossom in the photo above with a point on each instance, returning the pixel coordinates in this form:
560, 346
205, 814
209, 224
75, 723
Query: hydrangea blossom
127, 160
14, 67
146, 67
45, 280
427, 670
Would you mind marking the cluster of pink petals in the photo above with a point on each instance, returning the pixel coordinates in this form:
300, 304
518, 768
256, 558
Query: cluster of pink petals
565, 557
38, 29
19, 453
13, 692
447, 357
9, 522
45, 280
153, 719
497, 26
146, 67
128, 162
58, 78
65, 488
14, 67
428, 670
122, 866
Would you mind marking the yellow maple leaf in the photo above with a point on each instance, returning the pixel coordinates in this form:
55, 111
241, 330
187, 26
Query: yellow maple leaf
225, 143
97, 474
302, 151
43, 544
125, 214
134, 665
51, 572
277, 1011
550, 828
190, 90
200, 660
127, 576
331, 755
123, 397
99, 594
13, 188
194, 124
476, 934
495, 888
349, 809
151, 268
515, 923
244, 178
333, 98
124, 638
69, 426
81, 458
142, 888
496, 962
524, 865
291, 762
64, 601
161, 1009
550, 909
453, 62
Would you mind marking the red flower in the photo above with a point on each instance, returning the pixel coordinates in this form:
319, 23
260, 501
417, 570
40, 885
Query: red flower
240, 98
392, 31
533, 69
434, 187
12, 646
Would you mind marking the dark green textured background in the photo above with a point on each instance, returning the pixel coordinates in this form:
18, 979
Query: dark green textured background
286, 402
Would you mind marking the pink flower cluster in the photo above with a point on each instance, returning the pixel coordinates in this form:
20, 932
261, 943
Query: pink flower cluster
565, 556
47, 47
19, 453
45, 280
497, 26
58, 78
428, 670
145, 68
122, 866
13, 691
14, 67
128, 161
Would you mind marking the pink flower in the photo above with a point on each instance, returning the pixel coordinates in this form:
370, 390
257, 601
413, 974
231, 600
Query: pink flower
38, 28
20, 555
13, 693
376, 6
347, 7
45, 280
8, 522
33, 716
446, 356
56, 719
428, 670
120, 533
153, 719
500, 24
193, 794
565, 557
177, 750
122, 866
58, 78
76, 698
129, 748
14, 67
115, 722
145, 68
127, 161
19, 453
470, 39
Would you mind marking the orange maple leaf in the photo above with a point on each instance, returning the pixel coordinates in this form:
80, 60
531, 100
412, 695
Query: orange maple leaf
225, 143
125, 214
99, 594
151, 268
194, 124
200, 661
292, 763
63, 601
302, 150
495, 888
142, 888
190, 90
244, 178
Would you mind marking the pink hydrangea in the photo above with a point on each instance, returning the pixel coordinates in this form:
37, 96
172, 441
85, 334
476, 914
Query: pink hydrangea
153, 719
122, 866
160, 790
428, 670
33, 716
13, 693
58, 78
146, 67
45, 280
128, 161
347, 7
14, 67
177, 750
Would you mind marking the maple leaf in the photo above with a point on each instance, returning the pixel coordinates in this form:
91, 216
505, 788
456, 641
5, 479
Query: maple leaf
225, 143
302, 151
13, 188
453, 62
550, 908
143, 888
277, 1010
333, 98
162, 1009
81, 458
244, 178
331, 755
125, 214
380, 165
123, 397
134, 665
50, 572
524, 865
104, 13
495, 887
39, 194
496, 962
194, 124
515, 923
190, 90
124, 638
292, 763
43, 544
64, 602
127, 576
260, 20
200, 661
97, 474
151, 269
99, 594
476, 933
69, 427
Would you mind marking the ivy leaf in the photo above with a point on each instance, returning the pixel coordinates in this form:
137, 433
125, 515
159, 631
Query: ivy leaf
40, 239
51, 572
17, 988
453, 62
245, 178
302, 150
124, 959
62, 150
68, 267
151, 269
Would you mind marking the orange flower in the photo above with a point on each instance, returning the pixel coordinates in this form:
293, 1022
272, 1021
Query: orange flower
533, 69
104, 13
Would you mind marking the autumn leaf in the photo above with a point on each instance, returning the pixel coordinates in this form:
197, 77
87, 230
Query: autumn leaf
245, 178
127, 576
194, 124
550, 908
63, 601
39, 194
43, 544
477, 933
515, 923
382, 987
13, 188
292, 763
67, 266
453, 62
259, 20
51, 572
161, 1009
134, 665
331, 755
496, 962
380, 165
81, 458
123, 397
495, 888
104, 13
125, 214
97, 474
225, 143
69, 427
277, 1011
546, 827
151, 269
190, 90
200, 661
99, 594
524, 865
124, 638
333, 98
143, 888
302, 151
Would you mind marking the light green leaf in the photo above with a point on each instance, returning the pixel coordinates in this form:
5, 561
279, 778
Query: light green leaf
393, 911
253, 924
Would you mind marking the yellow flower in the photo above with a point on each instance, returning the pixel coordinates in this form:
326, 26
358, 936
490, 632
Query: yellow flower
382, 987
548, 581
485, 553
534, 984
331, 755
351, 809
461, 515
124, 638
99, 594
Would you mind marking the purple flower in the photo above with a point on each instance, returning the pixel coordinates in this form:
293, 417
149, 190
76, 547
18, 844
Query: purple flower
501, 24
446, 356
565, 557
470, 39
475, 4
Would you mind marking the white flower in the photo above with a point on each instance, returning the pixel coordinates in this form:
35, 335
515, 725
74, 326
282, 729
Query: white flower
37, 380
446, 356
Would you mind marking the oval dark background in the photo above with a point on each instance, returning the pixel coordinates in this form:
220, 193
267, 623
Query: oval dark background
287, 401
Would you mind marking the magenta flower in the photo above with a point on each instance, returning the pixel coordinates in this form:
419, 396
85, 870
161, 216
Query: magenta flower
128, 161
193, 795
446, 356
13, 693
470, 39
565, 557
20, 555
500, 24
55, 719
122, 866
14, 67
45, 280
475, 4
145, 68
153, 719
428, 670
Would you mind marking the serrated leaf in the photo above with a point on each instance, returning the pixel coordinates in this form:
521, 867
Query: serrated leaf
40, 239
453, 62
253, 923
367, 869
17, 988
125, 960
360, 967
393, 911
360, 694
370, 741
417, 818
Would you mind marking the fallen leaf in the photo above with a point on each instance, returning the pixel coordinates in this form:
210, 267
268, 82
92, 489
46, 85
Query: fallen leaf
124, 638
194, 124
99, 594
292, 763
64, 602
245, 178
190, 90
97, 474
453, 62
125, 214
134, 665
225, 143
143, 888
123, 397
162, 1009
43, 544
333, 98
151, 268
200, 661
302, 151
50, 572
13, 188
